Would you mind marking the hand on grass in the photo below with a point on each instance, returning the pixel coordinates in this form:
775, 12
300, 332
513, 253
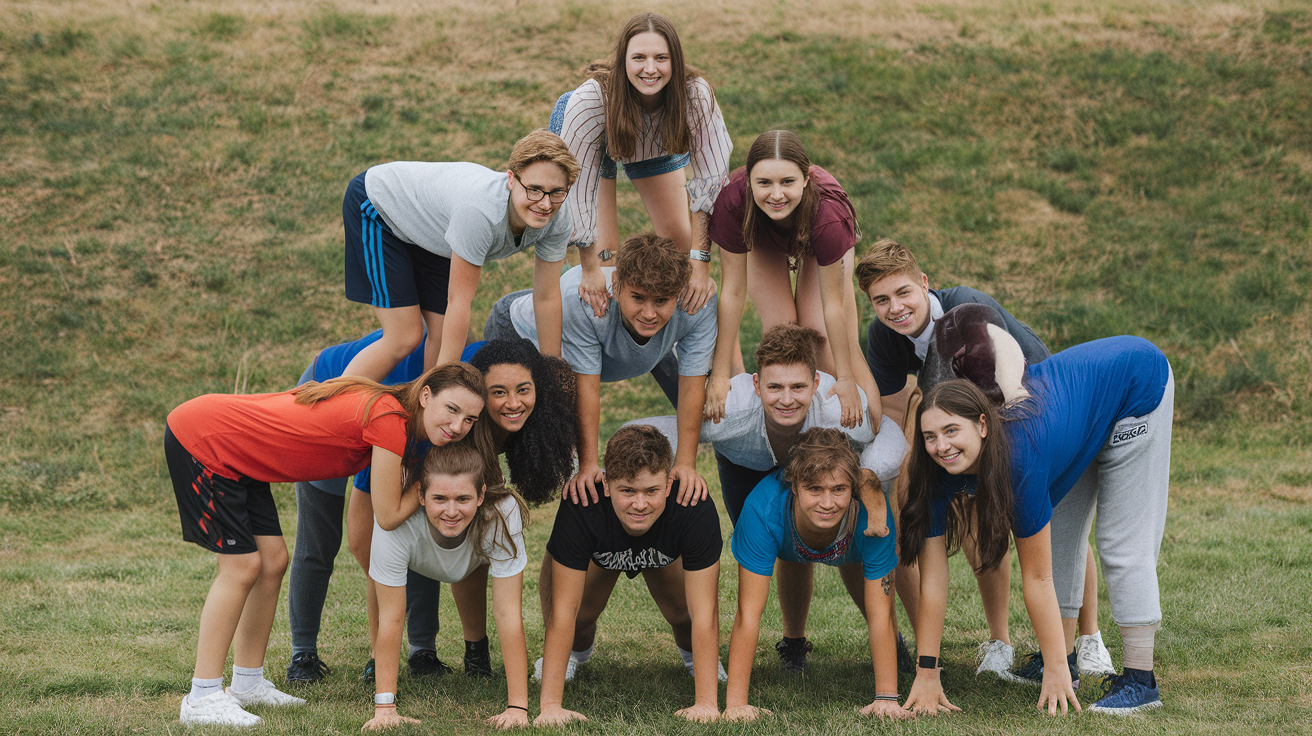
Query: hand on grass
385, 718
927, 697
886, 709
557, 716
509, 718
699, 713
1057, 691
744, 713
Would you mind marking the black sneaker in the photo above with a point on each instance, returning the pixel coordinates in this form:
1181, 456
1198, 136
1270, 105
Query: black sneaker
478, 663
307, 668
368, 674
792, 654
424, 663
906, 664
1030, 670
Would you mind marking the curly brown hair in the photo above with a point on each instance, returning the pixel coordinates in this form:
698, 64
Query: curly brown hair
886, 257
653, 265
789, 343
635, 448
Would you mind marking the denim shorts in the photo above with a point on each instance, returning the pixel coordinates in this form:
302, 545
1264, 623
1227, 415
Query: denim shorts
637, 169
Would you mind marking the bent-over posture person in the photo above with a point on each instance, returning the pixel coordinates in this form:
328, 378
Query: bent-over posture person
634, 531
763, 417
644, 329
418, 235
806, 513
223, 451
1033, 453
463, 532
900, 342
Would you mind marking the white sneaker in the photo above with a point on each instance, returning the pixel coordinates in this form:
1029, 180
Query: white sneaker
996, 658
219, 709
264, 694
720, 674
1091, 657
571, 667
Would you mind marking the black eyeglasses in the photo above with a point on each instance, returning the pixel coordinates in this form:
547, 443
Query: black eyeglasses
535, 195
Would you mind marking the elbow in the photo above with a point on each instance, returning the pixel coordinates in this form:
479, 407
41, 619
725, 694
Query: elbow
387, 522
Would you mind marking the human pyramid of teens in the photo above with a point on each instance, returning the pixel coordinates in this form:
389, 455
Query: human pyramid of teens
827, 454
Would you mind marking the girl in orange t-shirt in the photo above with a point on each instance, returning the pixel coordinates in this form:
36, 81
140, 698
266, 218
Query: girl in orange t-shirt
223, 451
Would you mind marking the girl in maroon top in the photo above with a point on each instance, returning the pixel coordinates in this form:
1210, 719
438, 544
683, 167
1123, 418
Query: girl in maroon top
223, 451
777, 214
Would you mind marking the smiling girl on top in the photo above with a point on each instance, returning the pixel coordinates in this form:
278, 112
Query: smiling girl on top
777, 214
648, 110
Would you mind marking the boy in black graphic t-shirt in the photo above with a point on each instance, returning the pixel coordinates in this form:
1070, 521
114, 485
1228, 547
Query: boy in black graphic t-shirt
633, 531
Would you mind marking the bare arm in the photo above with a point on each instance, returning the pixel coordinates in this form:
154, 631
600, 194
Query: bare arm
391, 506
692, 395
592, 286
700, 286
547, 305
566, 595
508, 610
585, 483
876, 503
927, 696
459, 296
733, 295
1035, 553
701, 588
391, 615
753, 590
883, 646
839, 328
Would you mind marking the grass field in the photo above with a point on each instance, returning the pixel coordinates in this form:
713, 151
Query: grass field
170, 182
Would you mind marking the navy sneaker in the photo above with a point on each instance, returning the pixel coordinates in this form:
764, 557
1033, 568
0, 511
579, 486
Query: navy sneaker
424, 663
792, 654
906, 664
1131, 692
1030, 670
307, 668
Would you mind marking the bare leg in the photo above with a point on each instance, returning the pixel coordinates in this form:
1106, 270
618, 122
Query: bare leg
855, 582
666, 586
403, 330
666, 200
222, 613
359, 537
597, 587
433, 341
1089, 606
994, 587
470, 596
810, 311
796, 585
252, 636
771, 289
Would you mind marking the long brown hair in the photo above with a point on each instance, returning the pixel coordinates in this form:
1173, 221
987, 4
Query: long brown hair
781, 145
623, 104
464, 459
435, 379
991, 505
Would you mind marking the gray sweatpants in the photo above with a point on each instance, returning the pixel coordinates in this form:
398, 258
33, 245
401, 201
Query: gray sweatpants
1126, 485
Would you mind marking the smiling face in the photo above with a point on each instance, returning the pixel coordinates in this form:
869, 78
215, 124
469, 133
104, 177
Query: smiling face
642, 313
543, 178
901, 302
511, 395
821, 503
449, 415
638, 501
450, 502
786, 391
647, 65
777, 187
954, 442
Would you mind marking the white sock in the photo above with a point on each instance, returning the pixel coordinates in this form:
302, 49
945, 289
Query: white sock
687, 657
204, 688
584, 655
245, 679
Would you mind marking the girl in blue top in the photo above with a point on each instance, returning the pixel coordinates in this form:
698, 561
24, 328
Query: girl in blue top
1087, 430
804, 513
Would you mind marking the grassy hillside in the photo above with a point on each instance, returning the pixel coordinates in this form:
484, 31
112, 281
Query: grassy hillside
171, 175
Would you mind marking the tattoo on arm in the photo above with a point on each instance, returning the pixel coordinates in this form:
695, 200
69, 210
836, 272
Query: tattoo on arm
887, 584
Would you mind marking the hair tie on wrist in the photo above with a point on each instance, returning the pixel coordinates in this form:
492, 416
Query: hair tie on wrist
518, 707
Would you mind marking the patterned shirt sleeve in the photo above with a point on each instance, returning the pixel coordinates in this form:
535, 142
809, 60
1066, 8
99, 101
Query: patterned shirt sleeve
711, 146
584, 131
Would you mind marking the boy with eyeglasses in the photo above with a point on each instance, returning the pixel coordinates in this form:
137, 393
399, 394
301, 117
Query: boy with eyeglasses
418, 235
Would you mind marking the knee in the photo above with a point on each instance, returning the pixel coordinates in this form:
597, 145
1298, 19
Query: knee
360, 550
400, 342
679, 619
243, 569
273, 564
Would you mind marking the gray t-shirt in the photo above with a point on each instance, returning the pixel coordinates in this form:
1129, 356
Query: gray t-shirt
601, 346
458, 207
411, 547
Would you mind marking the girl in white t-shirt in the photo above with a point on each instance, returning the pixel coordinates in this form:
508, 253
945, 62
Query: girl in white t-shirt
463, 531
